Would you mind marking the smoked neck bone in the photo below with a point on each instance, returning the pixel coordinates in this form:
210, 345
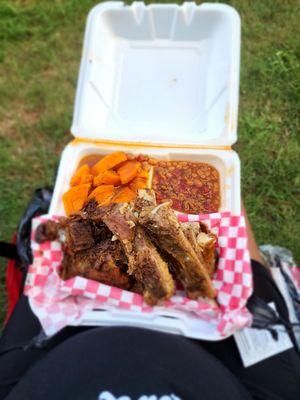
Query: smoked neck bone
105, 262
162, 223
144, 261
84, 255
152, 270
121, 222
203, 243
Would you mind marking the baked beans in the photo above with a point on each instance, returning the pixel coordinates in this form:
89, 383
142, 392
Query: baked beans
193, 187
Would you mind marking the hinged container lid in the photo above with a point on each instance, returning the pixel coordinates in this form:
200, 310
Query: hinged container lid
160, 74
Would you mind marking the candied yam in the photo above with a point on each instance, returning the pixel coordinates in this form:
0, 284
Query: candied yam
124, 195
107, 177
128, 171
102, 190
143, 174
80, 180
108, 162
75, 198
138, 183
82, 175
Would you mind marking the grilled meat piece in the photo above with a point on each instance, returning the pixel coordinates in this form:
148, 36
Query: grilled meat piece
191, 230
207, 243
103, 262
203, 244
89, 209
133, 248
47, 231
144, 261
145, 200
100, 231
137, 287
110, 275
78, 234
162, 223
121, 222
92, 213
151, 269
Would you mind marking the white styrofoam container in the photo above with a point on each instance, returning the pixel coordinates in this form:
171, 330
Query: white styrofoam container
225, 161
161, 80
164, 320
161, 73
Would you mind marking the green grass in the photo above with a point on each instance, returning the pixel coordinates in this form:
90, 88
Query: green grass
40, 49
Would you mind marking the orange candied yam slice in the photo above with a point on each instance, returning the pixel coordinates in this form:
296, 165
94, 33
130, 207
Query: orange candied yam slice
107, 177
108, 162
82, 175
75, 198
138, 183
125, 195
143, 174
128, 171
102, 194
101, 189
80, 180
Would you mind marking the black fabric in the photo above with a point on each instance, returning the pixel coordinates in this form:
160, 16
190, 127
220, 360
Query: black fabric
274, 378
133, 362
39, 204
8, 250
266, 289
128, 362
15, 355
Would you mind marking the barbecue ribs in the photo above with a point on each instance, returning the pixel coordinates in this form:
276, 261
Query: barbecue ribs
203, 244
104, 262
144, 261
162, 224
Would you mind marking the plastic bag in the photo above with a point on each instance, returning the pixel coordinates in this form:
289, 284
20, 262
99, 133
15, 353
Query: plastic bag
281, 258
39, 204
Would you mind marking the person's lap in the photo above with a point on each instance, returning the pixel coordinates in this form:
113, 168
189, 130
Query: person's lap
129, 362
274, 378
16, 356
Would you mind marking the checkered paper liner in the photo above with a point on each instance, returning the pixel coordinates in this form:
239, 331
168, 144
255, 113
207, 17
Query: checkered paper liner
59, 303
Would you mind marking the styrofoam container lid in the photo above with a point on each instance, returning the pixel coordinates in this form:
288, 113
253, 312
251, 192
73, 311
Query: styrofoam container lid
161, 73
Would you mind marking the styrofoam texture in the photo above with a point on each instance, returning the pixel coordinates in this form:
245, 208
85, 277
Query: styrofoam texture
225, 161
170, 321
161, 73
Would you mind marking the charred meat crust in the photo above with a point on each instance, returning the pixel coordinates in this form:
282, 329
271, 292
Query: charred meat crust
203, 243
105, 262
144, 261
162, 223
135, 247
121, 222
78, 235
151, 269
47, 231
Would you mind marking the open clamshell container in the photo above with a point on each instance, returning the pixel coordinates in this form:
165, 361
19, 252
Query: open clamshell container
161, 80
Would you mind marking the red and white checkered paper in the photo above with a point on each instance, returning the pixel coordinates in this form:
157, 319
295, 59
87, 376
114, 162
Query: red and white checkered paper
59, 303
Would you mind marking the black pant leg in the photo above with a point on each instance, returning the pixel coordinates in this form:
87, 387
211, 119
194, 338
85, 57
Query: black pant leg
20, 329
15, 356
259, 379
128, 362
277, 377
